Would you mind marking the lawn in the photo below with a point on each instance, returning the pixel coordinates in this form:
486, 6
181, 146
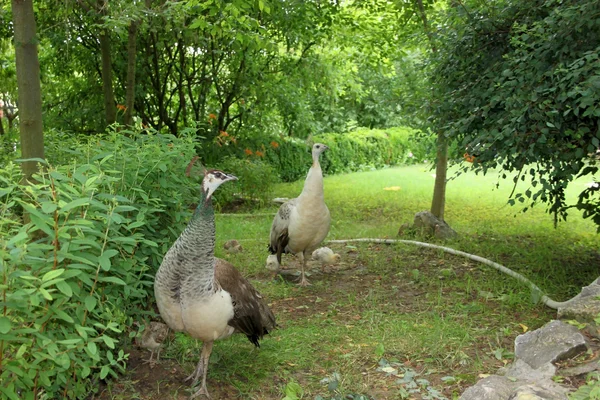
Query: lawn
390, 321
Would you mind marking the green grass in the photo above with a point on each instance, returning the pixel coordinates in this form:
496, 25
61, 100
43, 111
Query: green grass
403, 306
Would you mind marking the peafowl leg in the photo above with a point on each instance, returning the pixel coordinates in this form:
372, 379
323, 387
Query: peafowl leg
202, 368
303, 280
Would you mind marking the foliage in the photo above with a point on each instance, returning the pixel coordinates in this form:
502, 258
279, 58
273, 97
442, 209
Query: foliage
256, 179
519, 89
368, 149
285, 68
358, 150
589, 391
76, 275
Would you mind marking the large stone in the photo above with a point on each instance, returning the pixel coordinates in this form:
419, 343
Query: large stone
429, 224
523, 371
554, 341
493, 387
585, 306
535, 392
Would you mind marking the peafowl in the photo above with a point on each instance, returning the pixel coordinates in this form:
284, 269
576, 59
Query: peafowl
325, 256
152, 338
204, 296
302, 223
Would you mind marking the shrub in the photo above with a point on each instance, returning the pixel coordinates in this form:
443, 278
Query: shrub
255, 181
354, 151
75, 276
373, 148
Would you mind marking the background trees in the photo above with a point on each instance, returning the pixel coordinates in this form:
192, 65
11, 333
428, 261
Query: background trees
515, 84
521, 92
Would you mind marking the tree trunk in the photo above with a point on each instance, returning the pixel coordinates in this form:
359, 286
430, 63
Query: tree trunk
441, 165
130, 89
107, 86
28, 85
441, 168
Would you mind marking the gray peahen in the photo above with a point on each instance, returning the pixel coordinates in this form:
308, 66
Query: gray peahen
204, 296
302, 223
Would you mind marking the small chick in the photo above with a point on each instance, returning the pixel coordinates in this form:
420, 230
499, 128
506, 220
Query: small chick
326, 257
233, 246
272, 264
152, 338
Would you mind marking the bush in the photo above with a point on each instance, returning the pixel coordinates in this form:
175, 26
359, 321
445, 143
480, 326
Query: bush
81, 270
373, 148
255, 181
354, 151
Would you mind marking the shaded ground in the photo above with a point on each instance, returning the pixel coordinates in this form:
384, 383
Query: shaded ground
356, 307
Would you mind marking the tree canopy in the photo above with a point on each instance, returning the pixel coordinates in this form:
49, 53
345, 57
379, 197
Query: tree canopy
519, 88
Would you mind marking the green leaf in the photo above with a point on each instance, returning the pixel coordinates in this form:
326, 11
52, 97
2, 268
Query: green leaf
40, 221
9, 392
90, 303
65, 288
17, 238
112, 279
110, 342
46, 294
75, 203
63, 315
49, 207
69, 341
85, 371
92, 348
104, 261
104, 371
55, 273
4, 325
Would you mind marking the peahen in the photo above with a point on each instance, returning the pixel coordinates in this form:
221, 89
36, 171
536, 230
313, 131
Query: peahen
204, 296
302, 223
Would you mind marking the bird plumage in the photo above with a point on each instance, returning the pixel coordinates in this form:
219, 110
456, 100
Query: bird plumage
152, 339
326, 256
302, 223
203, 296
233, 246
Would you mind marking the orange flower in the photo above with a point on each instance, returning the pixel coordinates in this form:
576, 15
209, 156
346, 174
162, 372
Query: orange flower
259, 153
274, 144
121, 107
468, 157
248, 152
212, 116
223, 133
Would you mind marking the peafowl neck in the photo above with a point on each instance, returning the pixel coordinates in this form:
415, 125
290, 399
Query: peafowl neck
313, 185
197, 249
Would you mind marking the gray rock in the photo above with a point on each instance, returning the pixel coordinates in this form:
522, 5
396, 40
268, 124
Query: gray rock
429, 224
493, 387
523, 371
534, 392
585, 306
554, 341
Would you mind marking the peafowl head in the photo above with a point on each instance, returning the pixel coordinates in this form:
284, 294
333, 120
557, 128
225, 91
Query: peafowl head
317, 149
213, 178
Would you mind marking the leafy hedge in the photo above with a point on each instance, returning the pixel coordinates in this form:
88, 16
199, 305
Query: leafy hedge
77, 274
354, 151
